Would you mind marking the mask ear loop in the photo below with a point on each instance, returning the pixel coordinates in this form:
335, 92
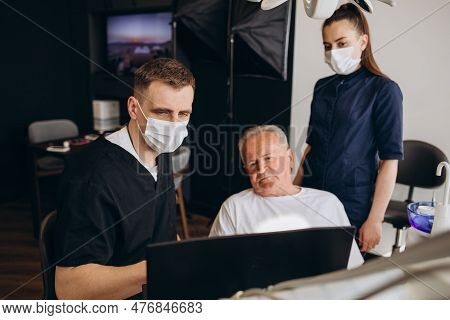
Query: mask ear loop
139, 105
137, 122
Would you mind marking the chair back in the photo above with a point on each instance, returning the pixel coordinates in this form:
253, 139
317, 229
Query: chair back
47, 251
418, 169
42, 131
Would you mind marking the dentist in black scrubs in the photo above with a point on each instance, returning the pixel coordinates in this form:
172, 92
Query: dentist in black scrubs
117, 195
355, 128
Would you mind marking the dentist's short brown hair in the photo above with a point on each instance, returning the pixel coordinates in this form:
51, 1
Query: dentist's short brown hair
167, 70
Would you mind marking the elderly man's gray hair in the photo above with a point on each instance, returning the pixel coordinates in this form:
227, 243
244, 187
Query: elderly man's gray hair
258, 130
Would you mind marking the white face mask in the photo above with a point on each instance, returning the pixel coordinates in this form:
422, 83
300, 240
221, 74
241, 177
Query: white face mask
163, 136
341, 60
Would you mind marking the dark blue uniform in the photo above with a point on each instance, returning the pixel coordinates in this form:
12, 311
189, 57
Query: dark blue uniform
356, 120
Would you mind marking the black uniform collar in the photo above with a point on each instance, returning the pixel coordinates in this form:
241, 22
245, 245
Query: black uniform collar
130, 159
354, 76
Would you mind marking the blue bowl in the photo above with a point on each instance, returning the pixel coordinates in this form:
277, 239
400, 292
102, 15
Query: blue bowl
421, 221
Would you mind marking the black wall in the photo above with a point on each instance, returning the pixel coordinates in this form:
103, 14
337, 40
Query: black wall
41, 78
48, 59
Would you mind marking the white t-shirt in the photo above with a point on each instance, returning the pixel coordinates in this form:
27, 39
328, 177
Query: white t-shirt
122, 139
246, 212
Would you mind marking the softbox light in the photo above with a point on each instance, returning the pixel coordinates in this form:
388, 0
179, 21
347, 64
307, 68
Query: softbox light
206, 20
264, 35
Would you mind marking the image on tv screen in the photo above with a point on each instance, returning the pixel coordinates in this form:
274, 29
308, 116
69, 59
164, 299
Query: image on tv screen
134, 39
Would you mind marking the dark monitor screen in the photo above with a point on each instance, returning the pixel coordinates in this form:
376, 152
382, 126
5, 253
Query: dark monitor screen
134, 39
212, 268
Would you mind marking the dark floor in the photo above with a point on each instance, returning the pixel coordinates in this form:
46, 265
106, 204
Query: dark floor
19, 253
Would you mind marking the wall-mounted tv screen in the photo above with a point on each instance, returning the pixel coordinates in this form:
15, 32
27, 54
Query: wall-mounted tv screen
134, 39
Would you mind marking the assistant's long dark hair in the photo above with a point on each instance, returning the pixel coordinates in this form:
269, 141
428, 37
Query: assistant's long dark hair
354, 15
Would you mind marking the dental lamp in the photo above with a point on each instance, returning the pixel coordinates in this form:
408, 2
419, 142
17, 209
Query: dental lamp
322, 9
367, 5
269, 4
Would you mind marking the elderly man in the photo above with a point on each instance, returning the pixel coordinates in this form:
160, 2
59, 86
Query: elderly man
274, 203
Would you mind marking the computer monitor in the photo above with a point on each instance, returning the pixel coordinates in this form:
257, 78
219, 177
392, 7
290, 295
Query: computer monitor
213, 268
